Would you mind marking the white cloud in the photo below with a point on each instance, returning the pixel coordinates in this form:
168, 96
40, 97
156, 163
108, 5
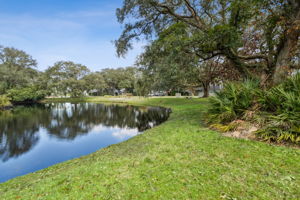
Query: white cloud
80, 36
124, 133
99, 128
29, 23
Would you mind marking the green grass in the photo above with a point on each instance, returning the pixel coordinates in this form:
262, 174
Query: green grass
180, 159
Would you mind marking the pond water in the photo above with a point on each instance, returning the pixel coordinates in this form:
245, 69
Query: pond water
35, 137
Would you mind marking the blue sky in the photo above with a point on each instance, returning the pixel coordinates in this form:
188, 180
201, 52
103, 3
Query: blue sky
52, 30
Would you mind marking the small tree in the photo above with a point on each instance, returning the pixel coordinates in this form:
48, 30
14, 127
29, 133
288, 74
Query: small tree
26, 95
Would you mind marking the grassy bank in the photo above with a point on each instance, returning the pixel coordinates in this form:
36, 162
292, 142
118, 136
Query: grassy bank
180, 159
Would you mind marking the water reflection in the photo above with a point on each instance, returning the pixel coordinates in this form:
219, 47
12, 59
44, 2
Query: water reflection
18, 129
34, 137
71, 120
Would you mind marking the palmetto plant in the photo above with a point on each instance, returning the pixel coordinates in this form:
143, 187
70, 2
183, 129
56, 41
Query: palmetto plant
282, 105
233, 101
276, 110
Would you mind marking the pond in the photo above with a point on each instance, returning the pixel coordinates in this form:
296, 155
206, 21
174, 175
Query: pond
35, 137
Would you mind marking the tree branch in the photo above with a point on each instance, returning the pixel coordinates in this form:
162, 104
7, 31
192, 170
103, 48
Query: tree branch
251, 57
164, 9
194, 13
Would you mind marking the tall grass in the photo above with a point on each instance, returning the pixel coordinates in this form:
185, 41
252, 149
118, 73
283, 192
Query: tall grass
276, 111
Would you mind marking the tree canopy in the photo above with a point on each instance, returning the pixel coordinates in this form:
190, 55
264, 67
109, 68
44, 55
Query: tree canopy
253, 35
66, 77
174, 67
17, 69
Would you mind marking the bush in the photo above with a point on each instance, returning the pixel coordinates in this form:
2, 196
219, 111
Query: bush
233, 101
26, 95
281, 111
276, 111
4, 101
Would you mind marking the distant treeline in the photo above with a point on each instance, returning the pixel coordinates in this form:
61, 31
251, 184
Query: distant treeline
21, 81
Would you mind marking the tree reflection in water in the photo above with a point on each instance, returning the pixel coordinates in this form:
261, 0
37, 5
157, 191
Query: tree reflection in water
19, 128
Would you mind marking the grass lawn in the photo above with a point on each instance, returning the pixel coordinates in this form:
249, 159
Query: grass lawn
180, 159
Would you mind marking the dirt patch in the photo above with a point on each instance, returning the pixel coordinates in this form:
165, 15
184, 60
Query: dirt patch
241, 132
245, 130
237, 129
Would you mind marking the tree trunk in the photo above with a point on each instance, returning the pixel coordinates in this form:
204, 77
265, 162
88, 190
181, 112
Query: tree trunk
205, 90
283, 60
287, 47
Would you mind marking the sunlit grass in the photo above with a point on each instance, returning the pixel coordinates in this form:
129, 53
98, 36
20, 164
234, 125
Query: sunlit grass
180, 159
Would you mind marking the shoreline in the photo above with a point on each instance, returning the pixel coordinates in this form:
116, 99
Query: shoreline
179, 159
3, 108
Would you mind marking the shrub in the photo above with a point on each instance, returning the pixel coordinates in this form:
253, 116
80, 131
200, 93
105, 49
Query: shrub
233, 101
26, 95
4, 101
281, 109
276, 111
